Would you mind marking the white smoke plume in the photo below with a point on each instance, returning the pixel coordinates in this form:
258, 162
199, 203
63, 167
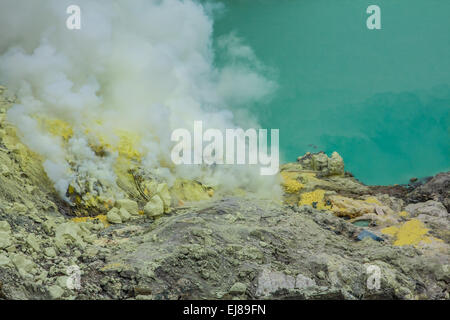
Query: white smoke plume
136, 71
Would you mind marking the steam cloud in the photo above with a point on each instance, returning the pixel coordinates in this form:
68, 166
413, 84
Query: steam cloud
136, 70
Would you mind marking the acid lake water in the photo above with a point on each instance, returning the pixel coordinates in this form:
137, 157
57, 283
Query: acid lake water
381, 98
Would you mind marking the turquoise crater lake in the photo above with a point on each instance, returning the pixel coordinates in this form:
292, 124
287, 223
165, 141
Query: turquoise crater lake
381, 98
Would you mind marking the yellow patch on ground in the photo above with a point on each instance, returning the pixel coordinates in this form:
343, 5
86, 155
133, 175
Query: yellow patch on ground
314, 199
290, 183
373, 200
101, 217
412, 232
309, 177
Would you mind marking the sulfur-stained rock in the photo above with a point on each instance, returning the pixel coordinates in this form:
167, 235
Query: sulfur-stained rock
164, 194
5, 235
155, 207
290, 182
297, 181
335, 165
348, 207
18, 208
5, 227
188, 190
72, 234
150, 187
322, 164
50, 252
129, 205
4, 170
319, 162
33, 242
4, 260
315, 199
124, 215
238, 288
394, 203
113, 216
23, 264
55, 292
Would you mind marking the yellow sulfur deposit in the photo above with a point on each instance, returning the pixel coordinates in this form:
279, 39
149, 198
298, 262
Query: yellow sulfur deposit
373, 200
125, 143
89, 204
314, 199
352, 208
100, 217
59, 128
412, 232
310, 178
290, 183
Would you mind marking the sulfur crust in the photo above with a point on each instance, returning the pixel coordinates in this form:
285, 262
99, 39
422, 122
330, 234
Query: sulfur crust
412, 232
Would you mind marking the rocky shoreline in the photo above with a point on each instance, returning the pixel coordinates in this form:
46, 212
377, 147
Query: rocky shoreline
190, 242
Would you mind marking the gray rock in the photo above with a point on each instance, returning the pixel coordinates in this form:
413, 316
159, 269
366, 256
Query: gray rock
437, 188
302, 282
270, 282
430, 208
434, 215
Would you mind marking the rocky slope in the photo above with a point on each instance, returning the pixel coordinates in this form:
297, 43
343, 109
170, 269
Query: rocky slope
189, 242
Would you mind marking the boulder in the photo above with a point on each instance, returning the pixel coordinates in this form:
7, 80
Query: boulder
5, 235
327, 166
335, 165
113, 216
124, 215
155, 207
129, 205
352, 208
164, 194
238, 288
